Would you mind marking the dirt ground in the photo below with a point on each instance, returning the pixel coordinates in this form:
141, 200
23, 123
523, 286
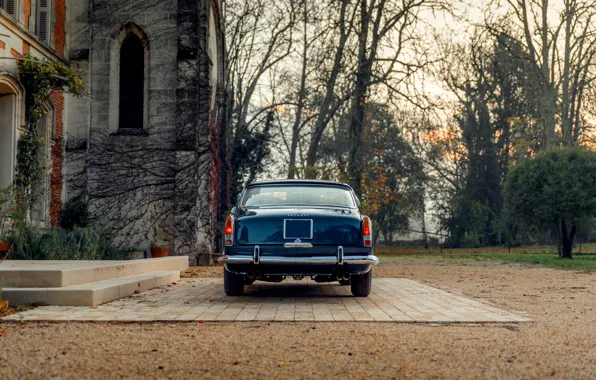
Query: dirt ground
560, 343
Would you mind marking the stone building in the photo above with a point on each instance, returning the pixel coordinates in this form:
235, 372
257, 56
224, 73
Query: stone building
143, 149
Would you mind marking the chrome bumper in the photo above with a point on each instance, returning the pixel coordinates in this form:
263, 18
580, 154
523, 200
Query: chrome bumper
315, 260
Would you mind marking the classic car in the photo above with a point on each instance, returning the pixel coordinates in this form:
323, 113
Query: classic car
298, 228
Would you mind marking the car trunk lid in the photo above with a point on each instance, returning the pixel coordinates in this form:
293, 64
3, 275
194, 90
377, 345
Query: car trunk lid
315, 225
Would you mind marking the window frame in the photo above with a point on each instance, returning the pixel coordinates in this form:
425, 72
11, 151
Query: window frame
49, 9
121, 81
114, 81
272, 187
16, 7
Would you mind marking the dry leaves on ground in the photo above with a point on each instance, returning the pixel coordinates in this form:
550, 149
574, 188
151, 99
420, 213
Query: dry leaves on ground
5, 309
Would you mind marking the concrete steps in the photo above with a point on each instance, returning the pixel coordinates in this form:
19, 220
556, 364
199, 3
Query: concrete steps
92, 293
85, 283
61, 273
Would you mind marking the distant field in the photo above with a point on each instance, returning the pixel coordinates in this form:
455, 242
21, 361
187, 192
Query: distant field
537, 255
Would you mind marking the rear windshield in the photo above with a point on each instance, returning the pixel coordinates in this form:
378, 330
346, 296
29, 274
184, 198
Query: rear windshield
297, 195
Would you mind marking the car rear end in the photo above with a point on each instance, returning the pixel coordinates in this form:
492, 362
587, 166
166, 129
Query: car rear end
298, 229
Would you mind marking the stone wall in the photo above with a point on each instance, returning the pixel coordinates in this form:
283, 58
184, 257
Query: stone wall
152, 185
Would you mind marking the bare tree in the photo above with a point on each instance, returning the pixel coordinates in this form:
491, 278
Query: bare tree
391, 26
313, 29
330, 104
562, 50
259, 36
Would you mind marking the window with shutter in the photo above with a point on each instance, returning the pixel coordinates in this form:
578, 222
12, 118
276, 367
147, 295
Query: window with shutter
10, 6
43, 20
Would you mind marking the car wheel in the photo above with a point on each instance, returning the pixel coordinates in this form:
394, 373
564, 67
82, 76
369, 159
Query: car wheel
233, 283
362, 284
345, 282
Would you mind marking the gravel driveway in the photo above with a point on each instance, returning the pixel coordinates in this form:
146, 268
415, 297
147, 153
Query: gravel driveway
561, 342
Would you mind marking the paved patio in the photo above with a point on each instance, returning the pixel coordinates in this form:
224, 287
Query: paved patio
392, 300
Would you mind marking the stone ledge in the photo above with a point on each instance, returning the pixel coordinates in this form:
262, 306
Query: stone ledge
61, 273
90, 294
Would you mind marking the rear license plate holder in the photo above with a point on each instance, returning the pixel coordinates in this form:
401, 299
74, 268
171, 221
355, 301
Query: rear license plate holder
298, 228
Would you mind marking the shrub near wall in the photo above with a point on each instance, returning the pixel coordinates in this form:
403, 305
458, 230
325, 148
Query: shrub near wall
30, 240
33, 243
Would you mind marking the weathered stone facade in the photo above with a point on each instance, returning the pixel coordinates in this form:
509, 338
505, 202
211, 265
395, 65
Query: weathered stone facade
150, 184
155, 182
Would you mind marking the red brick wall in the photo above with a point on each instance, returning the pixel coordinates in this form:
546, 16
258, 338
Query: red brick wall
59, 31
26, 48
57, 158
27, 7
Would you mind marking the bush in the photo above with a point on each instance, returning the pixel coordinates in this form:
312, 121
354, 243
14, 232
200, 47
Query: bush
6, 207
34, 243
74, 214
556, 189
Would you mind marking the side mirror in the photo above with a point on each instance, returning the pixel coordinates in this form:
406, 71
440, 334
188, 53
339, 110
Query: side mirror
233, 210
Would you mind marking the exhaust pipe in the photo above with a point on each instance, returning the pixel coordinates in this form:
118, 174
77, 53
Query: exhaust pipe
342, 276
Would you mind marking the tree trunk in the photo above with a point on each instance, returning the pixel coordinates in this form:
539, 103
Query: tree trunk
566, 239
565, 96
300, 106
363, 73
322, 118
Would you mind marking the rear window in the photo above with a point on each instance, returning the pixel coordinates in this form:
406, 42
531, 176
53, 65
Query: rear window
297, 195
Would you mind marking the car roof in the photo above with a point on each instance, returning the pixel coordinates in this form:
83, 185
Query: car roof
298, 182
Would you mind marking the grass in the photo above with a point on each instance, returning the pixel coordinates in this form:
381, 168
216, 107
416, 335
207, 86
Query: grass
535, 255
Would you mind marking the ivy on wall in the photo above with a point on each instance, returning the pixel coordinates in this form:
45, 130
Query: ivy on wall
39, 79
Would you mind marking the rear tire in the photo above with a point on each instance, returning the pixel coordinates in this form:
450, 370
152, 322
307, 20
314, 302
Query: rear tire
233, 283
345, 282
361, 284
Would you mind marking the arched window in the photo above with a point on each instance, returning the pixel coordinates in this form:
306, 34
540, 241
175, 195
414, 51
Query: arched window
7, 138
132, 82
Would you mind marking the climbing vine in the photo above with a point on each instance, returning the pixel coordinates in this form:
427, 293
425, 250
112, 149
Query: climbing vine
40, 79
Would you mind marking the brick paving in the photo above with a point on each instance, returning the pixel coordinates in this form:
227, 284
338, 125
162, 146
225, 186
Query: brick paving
391, 300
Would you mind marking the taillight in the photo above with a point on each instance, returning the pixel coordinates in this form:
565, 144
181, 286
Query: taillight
367, 231
229, 230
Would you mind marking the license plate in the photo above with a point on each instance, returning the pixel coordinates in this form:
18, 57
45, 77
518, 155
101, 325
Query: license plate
297, 228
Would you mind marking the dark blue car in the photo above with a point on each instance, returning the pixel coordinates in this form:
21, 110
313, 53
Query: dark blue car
298, 228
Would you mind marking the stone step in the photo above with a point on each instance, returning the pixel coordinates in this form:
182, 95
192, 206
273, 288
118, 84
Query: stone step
93, 293
61, 273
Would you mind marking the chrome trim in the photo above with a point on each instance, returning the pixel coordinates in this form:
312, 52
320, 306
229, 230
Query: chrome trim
370, 259
297, 245
295, 237
256, 255
340, 255
236, 260
299, 260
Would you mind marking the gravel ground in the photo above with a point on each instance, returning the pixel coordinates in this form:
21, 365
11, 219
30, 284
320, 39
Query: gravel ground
561, 342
